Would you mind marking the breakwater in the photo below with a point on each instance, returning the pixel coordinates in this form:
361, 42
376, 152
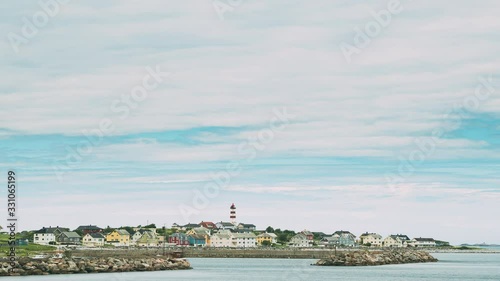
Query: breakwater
370, 258
28, 266
256, 253
289, 253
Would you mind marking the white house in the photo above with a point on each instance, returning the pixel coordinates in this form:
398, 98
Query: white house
244, 240
396, 241
373, 239
223, 238
48, 235
246, 227
225, 225
422, 242
93, 240
136, 236
300, 241
44, 238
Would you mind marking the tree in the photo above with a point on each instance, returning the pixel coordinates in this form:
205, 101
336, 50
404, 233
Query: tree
282, 238
26, 235
108, 230
129, 229
317, 236
266, 243
150, 226
269, 229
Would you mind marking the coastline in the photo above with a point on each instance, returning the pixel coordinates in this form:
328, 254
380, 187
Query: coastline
306, 253
253, 253
471, 251
84, 265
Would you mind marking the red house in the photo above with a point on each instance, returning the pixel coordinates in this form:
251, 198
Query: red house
308, 234
85, 229
208, 224
180, 239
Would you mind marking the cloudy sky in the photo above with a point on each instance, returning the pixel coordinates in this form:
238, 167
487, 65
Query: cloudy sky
322, 115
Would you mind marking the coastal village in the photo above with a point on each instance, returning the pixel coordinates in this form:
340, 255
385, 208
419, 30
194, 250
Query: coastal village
222, 234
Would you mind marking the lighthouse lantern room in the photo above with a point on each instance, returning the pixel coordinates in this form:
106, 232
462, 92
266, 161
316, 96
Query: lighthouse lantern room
232, 215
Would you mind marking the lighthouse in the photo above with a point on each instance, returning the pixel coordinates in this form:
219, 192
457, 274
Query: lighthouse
232, 215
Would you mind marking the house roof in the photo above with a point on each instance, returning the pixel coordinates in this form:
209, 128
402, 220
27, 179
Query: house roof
191, 225
366, 234
331, 238
207, 224
272, 235
198, 236
51, 229
96, 235
148, 235
225, 223
122, 232
306, 232
223, 235
425, 239
88, 227
343, 232
300, 236
200, 230
247, 225
400, 237
242, 230
244, 235
70, 234
403, 237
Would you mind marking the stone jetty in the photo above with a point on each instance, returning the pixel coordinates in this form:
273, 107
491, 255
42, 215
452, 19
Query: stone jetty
28, 266
370, 258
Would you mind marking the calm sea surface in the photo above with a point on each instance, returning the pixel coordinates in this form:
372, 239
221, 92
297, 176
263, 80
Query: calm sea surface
456, 267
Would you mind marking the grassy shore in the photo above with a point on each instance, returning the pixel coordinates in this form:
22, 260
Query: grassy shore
23, 251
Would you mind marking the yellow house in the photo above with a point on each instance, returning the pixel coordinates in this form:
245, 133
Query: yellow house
119, 237
270, 237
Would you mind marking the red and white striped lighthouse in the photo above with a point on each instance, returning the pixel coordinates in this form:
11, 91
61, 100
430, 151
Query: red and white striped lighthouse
232, 215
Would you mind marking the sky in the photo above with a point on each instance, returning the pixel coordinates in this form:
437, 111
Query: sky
378, 116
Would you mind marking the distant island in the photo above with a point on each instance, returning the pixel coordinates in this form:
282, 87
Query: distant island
480, 245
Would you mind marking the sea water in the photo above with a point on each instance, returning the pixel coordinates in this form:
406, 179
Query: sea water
451, 267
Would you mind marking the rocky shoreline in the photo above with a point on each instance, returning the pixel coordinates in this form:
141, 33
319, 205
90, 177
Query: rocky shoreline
28, 266
371, 258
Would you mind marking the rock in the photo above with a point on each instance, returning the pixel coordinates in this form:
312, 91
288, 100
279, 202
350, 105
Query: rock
365, 258
27, 266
